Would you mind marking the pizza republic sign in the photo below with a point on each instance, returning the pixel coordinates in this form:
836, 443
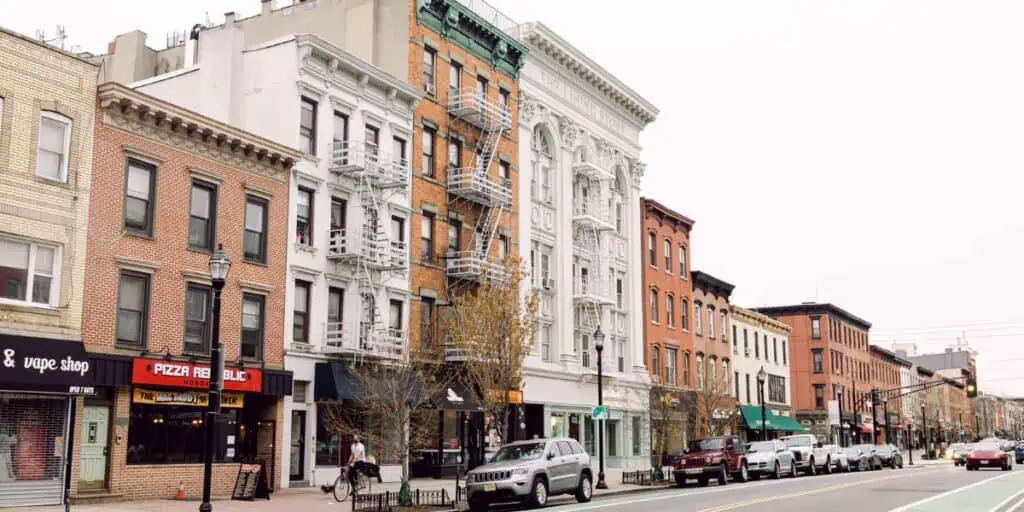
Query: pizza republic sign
179, 374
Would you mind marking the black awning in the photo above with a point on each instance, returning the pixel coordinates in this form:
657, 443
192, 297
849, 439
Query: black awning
456, 398
111, 370
27, 361
334, 381
277, 383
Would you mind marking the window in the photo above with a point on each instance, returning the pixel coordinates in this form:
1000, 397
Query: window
764, 338
670, 366
175, 434
819, 396
335, 309
636, 435
198, 321
757, 347
202, 212
504, 171
505, 100
736, 383
725, 377
666, 248
712, 375
777, 389
255, 241
502, 247
29, 272
700, 371
684, 318
454, 235
340, 127
670, 311
429, 58
620, 354
307, 127
711, 322
132, 309
696, 316
252, 326
682, 262
398, 151
652, 251
300, 320
725, 329
654, 306
339, 210
747, 376
395, 315
138, 198
371, 141
545, 343
817, 360
545, 267
454, 154
816, 328
427, 237
620, 300
545, 183
618, 217
454, 78
397, 231
735, 340
686, 368
481, 87
655, 361
304, 218
428, 152
775, 350
427, 331
54, 146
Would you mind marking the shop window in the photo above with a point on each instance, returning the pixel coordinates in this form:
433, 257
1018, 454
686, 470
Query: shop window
159, 434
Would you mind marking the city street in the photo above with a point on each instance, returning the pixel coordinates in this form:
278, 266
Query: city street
930, 489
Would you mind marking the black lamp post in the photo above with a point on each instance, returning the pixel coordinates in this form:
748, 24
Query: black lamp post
874, 415
219, 265
924, 429
839, 395
599, 345
885, 411
761, 377
910, 444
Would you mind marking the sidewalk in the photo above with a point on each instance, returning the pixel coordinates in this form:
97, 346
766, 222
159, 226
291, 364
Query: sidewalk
919, 459
313, 500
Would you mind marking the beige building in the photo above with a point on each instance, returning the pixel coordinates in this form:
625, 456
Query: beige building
47, 111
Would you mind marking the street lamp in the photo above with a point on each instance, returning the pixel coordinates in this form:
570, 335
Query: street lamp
761, 377
924, 430
219, 266
599, 345
839, 395
885, 411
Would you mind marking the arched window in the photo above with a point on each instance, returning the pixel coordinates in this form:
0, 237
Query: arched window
655, 368
700, 371
696, 316
654, 306
670, 310
652, 250
684, 320
686, 369
541, 141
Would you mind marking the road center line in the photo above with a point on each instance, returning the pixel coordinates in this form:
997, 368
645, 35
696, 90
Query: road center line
951, 492
820, 490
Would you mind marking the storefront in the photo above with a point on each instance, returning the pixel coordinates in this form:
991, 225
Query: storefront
38, 379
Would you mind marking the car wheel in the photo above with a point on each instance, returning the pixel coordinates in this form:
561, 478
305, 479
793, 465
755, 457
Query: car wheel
743, 474
478, 506
723, 475
539, 493
703, 481
892, 463
755, 477
680, 481
585, 491
828, 466
777, 474
811, 468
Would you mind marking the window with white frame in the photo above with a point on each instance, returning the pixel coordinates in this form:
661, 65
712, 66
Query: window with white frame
654, 306
54, 146
667, 249
652, 256
682, 262
670, 366
621, 354
30, 272
700, 371
696, 317
670, 310
546, 183
545, 343
711, 322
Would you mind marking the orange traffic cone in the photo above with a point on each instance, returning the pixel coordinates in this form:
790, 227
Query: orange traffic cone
181, 490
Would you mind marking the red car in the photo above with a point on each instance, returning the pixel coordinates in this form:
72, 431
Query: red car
714, 457
989, 455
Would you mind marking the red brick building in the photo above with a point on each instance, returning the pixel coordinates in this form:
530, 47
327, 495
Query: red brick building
169, 186
885, 376
830, 360
712, 354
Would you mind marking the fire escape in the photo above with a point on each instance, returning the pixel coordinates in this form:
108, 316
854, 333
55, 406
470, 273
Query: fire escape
591, 218
372, 253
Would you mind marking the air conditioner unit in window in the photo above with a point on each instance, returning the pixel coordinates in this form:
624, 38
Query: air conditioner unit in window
430, 89
549, 284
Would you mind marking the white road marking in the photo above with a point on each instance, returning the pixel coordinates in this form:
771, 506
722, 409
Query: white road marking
951, 492
1004, 502
1016, 506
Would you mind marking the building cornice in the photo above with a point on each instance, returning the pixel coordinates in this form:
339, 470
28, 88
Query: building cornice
544, 40
764, 321
678, 220
815, 308
147, 116
465, 28
890, 356
711, 284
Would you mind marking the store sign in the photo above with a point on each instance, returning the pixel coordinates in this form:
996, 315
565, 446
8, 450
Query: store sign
178, 374
45, 362
185, 398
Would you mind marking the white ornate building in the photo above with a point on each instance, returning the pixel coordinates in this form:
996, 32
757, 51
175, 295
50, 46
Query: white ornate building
348, 259
580, 177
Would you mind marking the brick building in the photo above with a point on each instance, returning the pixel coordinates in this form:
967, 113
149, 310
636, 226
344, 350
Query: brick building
885, 376
172, 186
47, 107
712, 355
830, 360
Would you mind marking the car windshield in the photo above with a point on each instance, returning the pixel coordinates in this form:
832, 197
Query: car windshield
705, 445
763, 446
796, 441
519, 452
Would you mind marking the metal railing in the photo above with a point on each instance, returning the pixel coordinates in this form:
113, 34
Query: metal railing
491, 15
474, 266
591, 169
478, 109
357, 160
375, 249
342, 338
385, 501
591, 288
475, 185
647, 477
592, 211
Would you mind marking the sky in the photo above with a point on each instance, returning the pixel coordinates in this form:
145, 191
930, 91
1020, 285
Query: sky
862, 153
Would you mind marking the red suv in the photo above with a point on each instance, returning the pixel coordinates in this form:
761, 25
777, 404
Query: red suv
714, 457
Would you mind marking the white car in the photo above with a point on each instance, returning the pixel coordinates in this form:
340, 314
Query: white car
837, 459
810, 455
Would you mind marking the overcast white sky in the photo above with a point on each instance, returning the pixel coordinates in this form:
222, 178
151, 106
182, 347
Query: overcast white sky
864, 153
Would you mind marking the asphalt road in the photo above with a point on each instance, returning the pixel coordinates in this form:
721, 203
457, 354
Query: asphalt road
942, 488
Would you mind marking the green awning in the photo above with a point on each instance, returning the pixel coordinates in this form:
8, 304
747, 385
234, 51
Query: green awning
787, 424
752, 418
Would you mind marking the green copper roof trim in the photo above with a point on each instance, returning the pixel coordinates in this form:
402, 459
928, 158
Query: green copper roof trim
460, 25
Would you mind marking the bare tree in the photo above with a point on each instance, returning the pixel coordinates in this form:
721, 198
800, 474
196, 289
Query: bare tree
397, 398
716, 408
666, 419
492, 327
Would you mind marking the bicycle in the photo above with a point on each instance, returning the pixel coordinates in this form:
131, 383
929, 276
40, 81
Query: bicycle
343, 488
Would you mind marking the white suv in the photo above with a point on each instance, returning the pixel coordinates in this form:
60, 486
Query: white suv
809, 455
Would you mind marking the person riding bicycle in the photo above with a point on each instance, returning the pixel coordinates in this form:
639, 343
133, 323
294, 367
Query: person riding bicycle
356, 461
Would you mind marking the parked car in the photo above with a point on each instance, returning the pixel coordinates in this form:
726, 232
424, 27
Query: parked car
769, 458
890, 456
714, 457
837, 458
1019, 452
531, 471
809, 454
869, 459
959, 453
857, 459
989, 455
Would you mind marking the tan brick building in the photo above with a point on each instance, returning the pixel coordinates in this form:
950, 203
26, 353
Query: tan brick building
172, 186
47, 107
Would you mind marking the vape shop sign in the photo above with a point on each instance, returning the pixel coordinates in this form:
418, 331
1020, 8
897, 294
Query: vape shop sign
180, 374
57, 365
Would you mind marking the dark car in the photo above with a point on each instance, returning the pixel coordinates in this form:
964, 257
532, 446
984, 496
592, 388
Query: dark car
989, 455
1019, 452
714, 457
869, 459
890, 456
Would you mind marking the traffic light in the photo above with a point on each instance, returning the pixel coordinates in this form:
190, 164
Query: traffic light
972, 387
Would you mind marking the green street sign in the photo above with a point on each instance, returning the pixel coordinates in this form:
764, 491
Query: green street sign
599, 412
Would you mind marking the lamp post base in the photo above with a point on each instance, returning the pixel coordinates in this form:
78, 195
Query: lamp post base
600, 481
206, 507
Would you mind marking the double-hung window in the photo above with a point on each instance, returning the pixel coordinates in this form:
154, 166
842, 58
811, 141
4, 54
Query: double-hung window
140, 185
300, 317
670, 311
132, 309
29, 272
429, 60
202, 214
667, 249
654, 306
427, 238
198, 313
304, 218
252, 326
255, 238
682, 262
307, 127
54, 146
652, 250
428, 152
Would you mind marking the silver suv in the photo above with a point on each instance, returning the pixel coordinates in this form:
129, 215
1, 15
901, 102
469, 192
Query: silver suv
530, 471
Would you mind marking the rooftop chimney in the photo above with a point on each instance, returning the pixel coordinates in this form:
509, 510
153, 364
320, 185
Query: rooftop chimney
266, 6
229, 18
